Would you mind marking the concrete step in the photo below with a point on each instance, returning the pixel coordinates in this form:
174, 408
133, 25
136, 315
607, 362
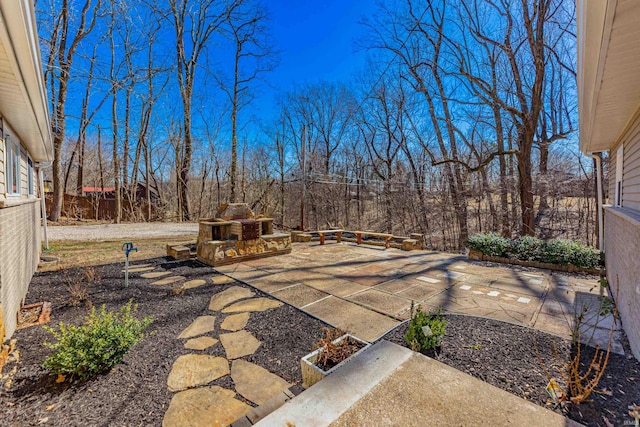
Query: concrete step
393, 386
325, 401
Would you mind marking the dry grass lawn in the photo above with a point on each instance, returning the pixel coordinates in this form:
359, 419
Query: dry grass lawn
85, 253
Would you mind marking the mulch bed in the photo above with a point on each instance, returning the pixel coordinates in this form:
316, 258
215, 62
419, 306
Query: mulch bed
504, 355
135, 392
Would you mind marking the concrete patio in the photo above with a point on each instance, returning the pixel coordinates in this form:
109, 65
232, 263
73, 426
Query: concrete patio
368, 290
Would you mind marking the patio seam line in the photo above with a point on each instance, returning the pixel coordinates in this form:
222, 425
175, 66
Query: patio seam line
313, 302
542, 299
290, 286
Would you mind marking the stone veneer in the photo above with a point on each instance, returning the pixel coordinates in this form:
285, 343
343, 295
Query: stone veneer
221, 252
19, 255
622, 246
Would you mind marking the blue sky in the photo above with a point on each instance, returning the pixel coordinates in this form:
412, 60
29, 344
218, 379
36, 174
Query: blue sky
316, 41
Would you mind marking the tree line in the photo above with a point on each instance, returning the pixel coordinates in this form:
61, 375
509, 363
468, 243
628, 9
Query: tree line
463, 120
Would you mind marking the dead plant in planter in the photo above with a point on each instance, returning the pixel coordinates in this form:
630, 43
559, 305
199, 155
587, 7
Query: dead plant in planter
333, 351
580, 380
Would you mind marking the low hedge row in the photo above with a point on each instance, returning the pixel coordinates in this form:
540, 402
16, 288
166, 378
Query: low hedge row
528, 248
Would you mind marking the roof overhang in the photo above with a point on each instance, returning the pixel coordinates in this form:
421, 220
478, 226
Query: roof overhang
608, 70
23, 101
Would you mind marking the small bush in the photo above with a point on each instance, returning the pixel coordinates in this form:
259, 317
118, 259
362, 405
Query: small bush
491, 244
415, 335
98, 344
559, 251
527, 248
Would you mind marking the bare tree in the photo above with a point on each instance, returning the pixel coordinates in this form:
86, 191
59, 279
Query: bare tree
522, 42
62, 44
253, 56
194, 23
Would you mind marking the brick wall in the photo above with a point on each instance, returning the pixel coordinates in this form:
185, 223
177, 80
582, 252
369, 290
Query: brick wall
19, 255
622, 244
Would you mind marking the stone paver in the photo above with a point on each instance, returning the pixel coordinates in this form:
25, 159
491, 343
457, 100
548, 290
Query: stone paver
421, 291
256, 383
299, 295
235, 322
272, 283
193, 284
229, 295
191, 370
239, 344
201, 343
204, 407
168, 280
381, 301
222, 280
335, 286
138, 266
200, 326
155, 274
359, 321
139, 269
253, 304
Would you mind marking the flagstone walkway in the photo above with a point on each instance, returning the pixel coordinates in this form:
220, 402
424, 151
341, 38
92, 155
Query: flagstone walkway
195, 403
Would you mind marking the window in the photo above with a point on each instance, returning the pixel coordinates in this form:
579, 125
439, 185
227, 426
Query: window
30, 175
12, 171
619, 173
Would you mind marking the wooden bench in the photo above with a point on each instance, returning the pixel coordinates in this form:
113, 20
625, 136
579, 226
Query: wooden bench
321, 233
387, 237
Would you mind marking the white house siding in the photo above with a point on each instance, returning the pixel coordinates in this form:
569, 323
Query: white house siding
631, 167
19, 251
19, 240
622, 233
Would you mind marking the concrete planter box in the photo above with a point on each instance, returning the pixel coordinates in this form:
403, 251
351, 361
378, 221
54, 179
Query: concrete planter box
311, 373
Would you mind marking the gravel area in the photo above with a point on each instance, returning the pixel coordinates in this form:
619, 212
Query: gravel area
121, 231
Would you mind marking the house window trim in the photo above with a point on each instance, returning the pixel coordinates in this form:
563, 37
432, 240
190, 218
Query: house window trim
619, 176
30, 182
12, 154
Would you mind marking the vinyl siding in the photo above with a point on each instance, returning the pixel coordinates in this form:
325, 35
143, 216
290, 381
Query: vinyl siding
631, 168
19, 255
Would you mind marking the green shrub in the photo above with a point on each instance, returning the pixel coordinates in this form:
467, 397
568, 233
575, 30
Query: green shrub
559, 251
491, 244
415, 335
527, 248
98, 344
530, 248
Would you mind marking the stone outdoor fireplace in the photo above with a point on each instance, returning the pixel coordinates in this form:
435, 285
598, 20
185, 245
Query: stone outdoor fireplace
235, 235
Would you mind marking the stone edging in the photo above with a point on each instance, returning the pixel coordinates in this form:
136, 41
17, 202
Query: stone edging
570, 268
